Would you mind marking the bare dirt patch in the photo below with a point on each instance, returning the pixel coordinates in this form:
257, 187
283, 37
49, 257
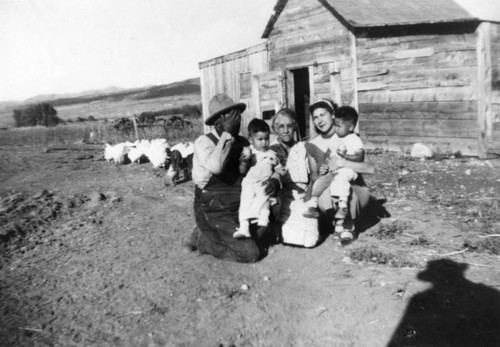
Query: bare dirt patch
91, 255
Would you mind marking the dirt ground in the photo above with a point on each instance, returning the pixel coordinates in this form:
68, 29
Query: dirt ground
91, 255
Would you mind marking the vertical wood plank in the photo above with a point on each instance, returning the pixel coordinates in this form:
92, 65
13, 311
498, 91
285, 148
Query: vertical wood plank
354, 75
290, 90
256, 95
281, 79
312, 92
335, 82
485, 116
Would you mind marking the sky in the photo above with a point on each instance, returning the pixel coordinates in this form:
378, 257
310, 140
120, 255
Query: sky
70, 46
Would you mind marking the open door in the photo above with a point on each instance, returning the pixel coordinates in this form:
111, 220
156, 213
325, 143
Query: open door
299, 97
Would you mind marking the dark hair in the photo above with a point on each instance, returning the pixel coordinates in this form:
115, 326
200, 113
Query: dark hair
347, 114
258, 125
323, 103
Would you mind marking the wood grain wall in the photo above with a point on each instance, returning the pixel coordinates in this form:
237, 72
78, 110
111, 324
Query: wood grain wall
494, 144
229, 73
419, 88
307, 35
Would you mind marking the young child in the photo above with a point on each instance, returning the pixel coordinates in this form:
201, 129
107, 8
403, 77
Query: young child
345, 144
261, 164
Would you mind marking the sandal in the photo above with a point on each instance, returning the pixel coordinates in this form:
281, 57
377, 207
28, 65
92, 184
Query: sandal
346, 237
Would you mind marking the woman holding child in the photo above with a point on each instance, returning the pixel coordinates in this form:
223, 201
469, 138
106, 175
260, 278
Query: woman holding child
336, 151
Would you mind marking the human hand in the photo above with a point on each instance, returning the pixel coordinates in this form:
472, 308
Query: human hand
280, 170
246, 154
323, 169
335, 163
231, 122
272, 187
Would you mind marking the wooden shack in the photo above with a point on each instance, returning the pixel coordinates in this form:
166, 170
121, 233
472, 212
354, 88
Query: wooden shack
424, 71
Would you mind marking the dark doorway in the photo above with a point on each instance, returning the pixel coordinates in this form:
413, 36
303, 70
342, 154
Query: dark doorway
302, 99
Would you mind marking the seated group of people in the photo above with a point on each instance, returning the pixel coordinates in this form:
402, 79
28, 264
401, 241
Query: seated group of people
248, 189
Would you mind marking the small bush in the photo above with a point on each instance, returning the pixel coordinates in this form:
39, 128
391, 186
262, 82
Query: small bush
189, 111
420, 241
375, 255
39, 114
390, 230
489, 245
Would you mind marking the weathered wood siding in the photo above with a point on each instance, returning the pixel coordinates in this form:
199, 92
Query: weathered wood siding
419, 88
494, 146
308, 35
230, 74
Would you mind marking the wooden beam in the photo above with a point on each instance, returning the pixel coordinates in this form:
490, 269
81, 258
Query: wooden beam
422, 110
335, 82
313, 97
256, 95
485, 116
354, 75
458, 128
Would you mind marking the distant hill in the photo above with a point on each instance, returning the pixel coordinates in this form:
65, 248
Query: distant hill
112, 101
189, 86
87, 93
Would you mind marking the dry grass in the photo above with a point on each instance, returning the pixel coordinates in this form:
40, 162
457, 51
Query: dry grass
389, 230
93, 132
376, 255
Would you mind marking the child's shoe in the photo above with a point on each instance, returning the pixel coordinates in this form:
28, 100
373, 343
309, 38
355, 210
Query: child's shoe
243, 232
346, 237
347, 234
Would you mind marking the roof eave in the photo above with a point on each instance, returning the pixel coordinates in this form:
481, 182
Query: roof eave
460, 20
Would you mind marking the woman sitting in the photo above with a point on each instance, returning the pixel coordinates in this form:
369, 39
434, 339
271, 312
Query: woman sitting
318, 151
295, 228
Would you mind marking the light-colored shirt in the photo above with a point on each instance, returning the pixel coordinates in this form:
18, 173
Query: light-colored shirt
208, 158
351, 142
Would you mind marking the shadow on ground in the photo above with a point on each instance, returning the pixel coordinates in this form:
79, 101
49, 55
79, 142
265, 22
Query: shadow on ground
453, 312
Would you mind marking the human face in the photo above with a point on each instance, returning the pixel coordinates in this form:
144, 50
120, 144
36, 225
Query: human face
323, 121
342, 127
285, 128
260, 140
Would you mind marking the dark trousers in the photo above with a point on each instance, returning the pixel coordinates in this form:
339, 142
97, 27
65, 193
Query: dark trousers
216, 214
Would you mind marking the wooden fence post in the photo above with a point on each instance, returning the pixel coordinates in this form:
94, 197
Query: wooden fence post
135, 128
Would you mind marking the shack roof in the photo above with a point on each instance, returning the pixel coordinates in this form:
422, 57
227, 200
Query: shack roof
378, 13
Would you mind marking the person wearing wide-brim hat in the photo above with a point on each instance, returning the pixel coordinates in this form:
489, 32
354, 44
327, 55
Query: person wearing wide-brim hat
218, 185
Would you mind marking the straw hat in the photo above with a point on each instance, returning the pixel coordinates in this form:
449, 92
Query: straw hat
220, 104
